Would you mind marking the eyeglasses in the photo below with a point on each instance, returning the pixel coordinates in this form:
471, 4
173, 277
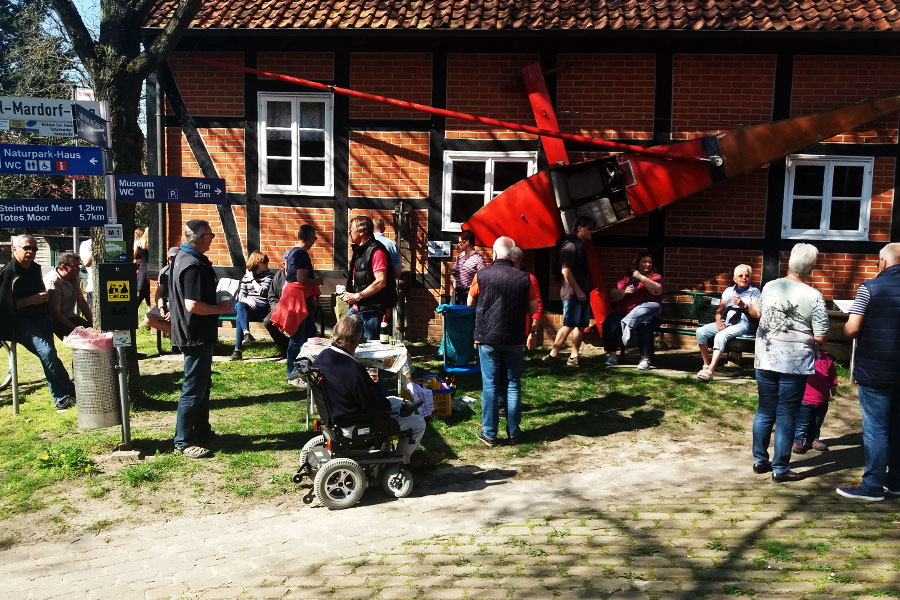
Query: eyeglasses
29, 248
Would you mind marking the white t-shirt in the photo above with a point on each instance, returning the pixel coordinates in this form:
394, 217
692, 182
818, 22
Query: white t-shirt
791, 314
84, 251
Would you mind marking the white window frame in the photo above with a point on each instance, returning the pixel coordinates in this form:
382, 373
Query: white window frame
829, 162
295, 188
490, 159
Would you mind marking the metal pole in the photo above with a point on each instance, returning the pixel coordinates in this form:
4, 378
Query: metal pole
15, 376
122, 370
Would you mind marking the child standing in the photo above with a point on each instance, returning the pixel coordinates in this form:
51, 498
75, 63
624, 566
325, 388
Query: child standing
820, 386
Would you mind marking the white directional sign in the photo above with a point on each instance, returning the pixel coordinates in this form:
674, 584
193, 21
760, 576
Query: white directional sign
43, 116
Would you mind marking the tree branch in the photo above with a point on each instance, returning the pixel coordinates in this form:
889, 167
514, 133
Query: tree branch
147, 61
76, 30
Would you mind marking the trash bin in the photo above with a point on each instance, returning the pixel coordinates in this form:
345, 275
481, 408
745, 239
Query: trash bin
96, 389
93, 359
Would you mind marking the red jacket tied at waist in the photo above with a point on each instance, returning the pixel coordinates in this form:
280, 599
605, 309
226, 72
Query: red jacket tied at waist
291, 309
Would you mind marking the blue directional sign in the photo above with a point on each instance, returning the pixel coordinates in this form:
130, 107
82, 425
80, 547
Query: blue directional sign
20, 159
170, 190
65, 212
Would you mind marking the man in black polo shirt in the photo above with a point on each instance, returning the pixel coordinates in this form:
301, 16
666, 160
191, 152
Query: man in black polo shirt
194, 314
505, 295
25, 298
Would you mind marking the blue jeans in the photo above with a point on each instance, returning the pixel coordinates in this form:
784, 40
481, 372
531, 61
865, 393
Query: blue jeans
780, 396
720, 338
192, 417
576, 313
306, 330
36, 335
245, 314
881, 438
809, 422
372, 322
501, 369
612, 334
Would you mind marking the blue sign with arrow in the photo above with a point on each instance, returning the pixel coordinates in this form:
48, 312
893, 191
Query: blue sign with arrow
41, 212
21, 159
170, 190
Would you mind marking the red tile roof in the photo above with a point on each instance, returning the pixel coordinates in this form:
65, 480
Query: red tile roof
602, 15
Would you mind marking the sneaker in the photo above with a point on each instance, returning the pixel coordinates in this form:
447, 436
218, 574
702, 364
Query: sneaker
798, 448
237, 355
611, 360
480, 435
819, 446
858, 493
65, 404
248, 337
549, 359
644, 365
572, 361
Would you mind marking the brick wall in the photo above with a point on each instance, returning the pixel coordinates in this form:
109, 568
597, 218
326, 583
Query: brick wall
225, 147
209, 90
882, 200
702, 102
707, 270
278, 226
410, 80
735, 208
828, 82
389, 164
837, 275
606, 95
318, 66
179, 214
480, 84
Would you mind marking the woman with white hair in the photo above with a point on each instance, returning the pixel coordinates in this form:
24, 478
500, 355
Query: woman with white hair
792, 322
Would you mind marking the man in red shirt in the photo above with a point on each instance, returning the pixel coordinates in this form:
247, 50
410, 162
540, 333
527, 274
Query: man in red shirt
372, 285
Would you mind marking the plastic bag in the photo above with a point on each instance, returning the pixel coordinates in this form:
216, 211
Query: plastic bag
416, 392
89, 339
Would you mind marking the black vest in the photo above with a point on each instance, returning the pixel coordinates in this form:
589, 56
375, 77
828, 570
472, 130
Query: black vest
878, 345
362, 276
502, 304
189, 329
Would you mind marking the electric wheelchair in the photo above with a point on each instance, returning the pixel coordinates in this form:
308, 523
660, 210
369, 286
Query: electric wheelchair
351, 452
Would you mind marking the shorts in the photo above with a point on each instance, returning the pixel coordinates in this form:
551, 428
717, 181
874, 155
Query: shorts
576, 313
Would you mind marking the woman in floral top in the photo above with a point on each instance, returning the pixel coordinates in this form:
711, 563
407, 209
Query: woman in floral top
793, 320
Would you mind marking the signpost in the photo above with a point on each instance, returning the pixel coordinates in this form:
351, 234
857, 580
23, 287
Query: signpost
43, 116
91, 127
171, 190
21, 159
41, 212
114, 251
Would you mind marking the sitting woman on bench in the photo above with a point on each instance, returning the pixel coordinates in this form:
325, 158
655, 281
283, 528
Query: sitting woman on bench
252, 301
636, 305
735, 316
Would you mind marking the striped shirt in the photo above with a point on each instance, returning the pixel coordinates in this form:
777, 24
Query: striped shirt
465, 269
861, 302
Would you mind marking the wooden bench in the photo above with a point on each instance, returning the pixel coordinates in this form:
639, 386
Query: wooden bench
683, 312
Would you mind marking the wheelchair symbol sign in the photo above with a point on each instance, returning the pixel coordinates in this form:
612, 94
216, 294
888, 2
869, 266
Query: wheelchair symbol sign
117, 291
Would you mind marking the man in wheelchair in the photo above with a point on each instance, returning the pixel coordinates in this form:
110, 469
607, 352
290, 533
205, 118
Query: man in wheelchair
351, 391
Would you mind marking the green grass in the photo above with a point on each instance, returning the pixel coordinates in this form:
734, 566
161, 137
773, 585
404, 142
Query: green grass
259, 421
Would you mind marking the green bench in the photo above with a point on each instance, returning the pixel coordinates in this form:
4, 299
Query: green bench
685, 311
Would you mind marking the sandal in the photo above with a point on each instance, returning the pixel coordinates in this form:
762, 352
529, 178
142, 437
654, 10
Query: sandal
572, 361
705, 375
192, 451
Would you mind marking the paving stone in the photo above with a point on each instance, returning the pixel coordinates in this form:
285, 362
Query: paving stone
398, 594
349, 593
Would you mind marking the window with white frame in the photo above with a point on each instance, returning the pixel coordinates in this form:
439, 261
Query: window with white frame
295, 144
827, 197
472, 179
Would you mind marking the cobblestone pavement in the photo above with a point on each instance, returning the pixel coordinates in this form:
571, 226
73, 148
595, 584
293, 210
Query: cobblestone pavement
672, 527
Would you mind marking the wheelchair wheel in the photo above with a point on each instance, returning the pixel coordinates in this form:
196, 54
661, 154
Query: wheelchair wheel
5, 360
397, 482
340, 483
318, 440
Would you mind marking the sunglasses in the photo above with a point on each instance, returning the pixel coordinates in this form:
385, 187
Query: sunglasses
29, 248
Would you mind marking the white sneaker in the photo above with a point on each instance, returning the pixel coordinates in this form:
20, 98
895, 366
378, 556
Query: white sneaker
611, 360
644, 365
